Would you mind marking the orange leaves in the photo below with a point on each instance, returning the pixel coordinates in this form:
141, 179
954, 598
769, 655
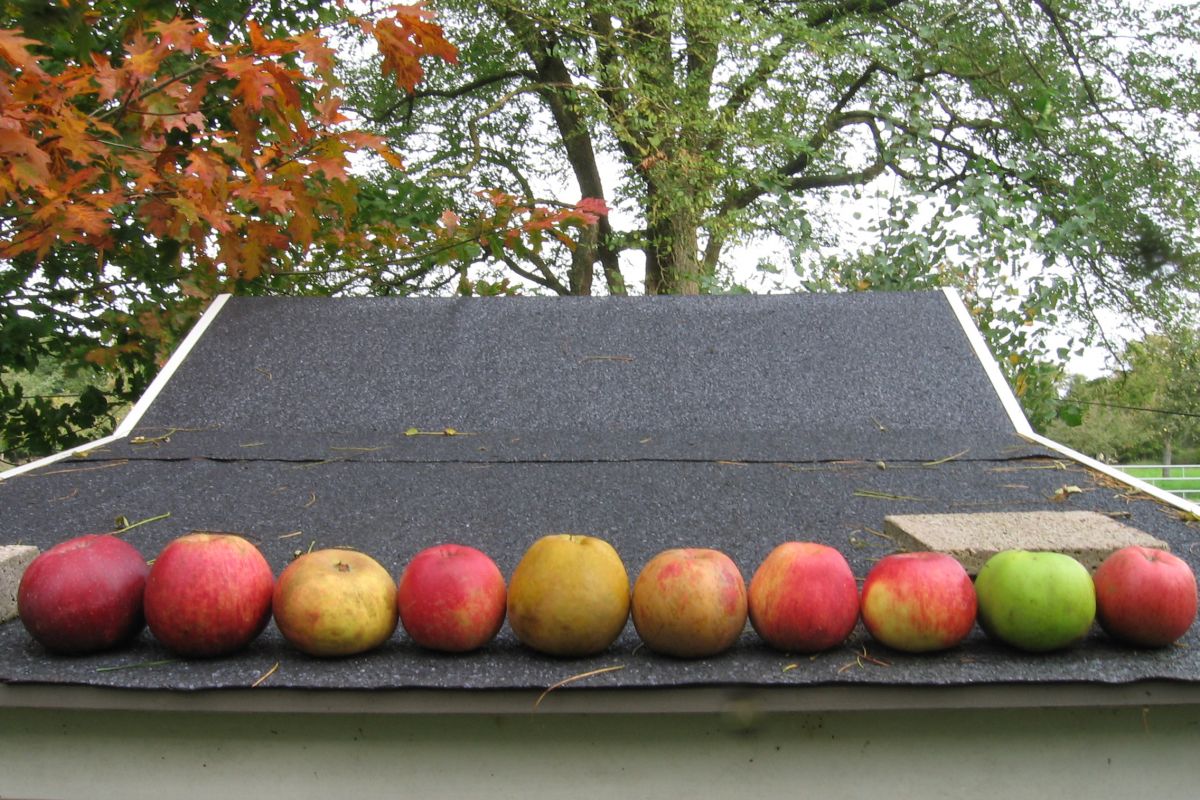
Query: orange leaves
178, 34
404, 38
28, 165
237, 151
14, 50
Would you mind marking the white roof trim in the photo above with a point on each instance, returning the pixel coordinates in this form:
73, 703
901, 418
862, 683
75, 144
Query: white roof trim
984, 354
1009, 400
143, 404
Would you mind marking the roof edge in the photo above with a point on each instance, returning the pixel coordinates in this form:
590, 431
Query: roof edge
143, 404
740, 701
1013, 406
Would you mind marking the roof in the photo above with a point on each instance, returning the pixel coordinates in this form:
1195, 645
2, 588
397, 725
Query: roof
729, 422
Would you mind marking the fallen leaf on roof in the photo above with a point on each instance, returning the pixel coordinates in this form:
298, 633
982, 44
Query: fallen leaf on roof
1063, 492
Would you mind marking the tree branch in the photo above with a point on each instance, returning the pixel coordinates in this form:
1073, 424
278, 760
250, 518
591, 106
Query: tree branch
448, 94
836, 119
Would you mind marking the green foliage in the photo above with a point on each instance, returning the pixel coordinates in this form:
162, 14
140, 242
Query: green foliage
1145, 409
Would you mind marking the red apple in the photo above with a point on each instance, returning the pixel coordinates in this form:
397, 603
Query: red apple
452, 598
689, 603
1145, 596
803, 598
918, 602
84, 595
335, 602
208, 594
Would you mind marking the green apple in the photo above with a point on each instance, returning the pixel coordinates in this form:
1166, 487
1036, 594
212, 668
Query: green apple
1035, 600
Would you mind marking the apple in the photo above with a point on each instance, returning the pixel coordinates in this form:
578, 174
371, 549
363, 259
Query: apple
451, 597
918, 602
1144, 596
689, 603
1035, 600
84, 595
569, 595
208, 594
335, 602
803, 598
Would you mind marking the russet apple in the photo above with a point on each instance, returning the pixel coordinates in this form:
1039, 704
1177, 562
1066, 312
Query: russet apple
208, 594
335, 602
689, 603
918, 602
84, 595
1145, 597
1035, 600
452, 598
569, 595
803, 598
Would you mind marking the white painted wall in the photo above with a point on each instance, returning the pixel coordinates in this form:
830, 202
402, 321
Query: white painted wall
977, 754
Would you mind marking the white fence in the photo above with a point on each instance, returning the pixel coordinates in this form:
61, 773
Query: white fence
1180, 479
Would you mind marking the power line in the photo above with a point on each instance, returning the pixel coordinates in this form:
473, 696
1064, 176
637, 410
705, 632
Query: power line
1137, 408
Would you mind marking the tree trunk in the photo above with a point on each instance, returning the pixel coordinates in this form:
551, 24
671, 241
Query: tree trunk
672, 248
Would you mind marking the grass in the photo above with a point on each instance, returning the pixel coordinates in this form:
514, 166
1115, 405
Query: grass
1183, 479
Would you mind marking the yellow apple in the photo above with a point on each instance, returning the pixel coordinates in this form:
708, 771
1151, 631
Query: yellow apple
335, 603
569, 595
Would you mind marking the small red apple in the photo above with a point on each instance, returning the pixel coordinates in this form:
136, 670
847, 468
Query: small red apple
803, 598
208, 594
335, 602
918, 602
84, 595
1144, 596
689, 603
451, 597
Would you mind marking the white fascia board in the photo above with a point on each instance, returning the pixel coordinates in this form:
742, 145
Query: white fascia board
143, 404
1021, 423
1005, 394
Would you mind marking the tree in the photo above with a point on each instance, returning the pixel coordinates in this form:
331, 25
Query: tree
149, 161
1036, 148
1148, 410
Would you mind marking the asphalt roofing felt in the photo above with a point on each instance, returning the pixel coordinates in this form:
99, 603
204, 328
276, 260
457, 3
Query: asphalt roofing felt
729, 422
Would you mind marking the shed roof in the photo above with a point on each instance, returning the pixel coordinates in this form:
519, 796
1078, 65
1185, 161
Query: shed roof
728, 422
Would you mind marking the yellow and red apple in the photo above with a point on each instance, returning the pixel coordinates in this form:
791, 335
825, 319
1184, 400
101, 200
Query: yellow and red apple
689, 603
918, 602
335, 602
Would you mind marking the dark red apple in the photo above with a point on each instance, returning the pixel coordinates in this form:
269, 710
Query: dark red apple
208, 594
84, 595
